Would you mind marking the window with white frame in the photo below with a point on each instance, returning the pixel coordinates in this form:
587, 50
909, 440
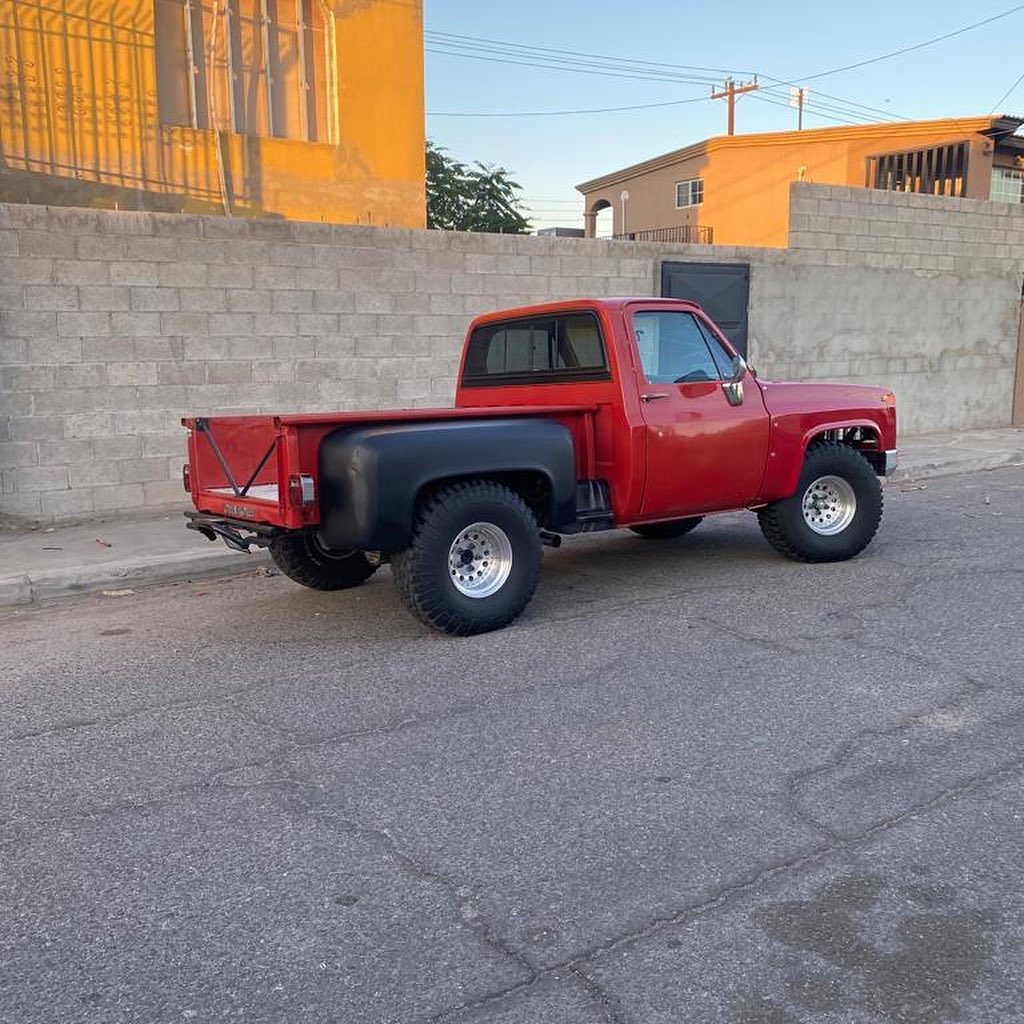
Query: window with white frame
689, 193
1007, 186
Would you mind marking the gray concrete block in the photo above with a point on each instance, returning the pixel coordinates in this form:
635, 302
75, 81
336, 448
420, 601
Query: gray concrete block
226, 275
182, 275
133, 272
45, 243
131, 374
118, 497
235, 372
203, 300
51, 297
28, 324
103, 297
81, 272
38, 478
137, 471
248, 300
156, 300
152, 250
84, 325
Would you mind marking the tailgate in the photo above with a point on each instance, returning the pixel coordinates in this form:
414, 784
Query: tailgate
239, 467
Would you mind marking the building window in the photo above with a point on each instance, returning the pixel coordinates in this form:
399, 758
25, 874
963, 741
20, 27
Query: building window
689, 193
1007, 186
257, 67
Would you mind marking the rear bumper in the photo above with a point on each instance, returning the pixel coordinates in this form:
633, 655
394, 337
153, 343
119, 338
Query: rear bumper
236, 533
891, 461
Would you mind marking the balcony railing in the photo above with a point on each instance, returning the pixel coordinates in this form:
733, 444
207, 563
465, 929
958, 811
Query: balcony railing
689, 234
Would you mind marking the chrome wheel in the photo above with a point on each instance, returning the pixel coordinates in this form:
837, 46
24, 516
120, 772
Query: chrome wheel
480, 560
829, 505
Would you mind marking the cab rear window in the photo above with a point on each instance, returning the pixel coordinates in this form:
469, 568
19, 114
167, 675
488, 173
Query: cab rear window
539, 350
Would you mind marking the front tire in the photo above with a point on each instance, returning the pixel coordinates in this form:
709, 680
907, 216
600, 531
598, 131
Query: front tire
302, 558
474, 560
667, 530
834, 512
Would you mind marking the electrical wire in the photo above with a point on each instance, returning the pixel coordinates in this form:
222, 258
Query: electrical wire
550, 58
916, 46
575, 69
475, 42
561, 113
999, 102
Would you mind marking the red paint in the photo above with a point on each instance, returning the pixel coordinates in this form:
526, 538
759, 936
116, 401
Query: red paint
688, 453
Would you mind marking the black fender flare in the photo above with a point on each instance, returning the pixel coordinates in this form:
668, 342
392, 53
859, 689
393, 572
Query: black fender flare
370, 476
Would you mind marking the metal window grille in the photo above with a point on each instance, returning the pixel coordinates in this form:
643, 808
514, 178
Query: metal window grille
937, 170
256, 67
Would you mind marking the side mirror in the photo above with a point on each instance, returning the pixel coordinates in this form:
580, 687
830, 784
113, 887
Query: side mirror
733, 387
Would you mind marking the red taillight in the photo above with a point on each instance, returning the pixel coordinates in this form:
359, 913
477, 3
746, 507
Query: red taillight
186, 477
301, 492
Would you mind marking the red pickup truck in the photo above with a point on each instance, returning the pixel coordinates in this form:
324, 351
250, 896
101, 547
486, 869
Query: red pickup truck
569, 417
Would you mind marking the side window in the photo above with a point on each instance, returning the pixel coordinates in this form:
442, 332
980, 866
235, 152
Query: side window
722, 359
549, 350
675, 349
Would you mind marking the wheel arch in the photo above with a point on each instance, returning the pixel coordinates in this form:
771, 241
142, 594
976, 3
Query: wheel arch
861, 434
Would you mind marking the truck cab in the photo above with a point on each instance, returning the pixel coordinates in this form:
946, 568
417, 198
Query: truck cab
569, 417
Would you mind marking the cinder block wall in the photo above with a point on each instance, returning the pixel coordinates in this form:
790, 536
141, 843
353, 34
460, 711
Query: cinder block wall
905, 231
115, 325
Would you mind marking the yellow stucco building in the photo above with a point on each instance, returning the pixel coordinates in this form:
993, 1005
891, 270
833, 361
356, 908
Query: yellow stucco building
734, 189
300, 109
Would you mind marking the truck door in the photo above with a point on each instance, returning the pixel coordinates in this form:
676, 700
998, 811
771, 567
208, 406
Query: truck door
704, 453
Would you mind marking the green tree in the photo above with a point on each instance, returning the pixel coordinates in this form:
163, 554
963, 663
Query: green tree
477, 198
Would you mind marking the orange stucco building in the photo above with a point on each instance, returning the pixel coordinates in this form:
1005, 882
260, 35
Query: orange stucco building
300, 109
734, 189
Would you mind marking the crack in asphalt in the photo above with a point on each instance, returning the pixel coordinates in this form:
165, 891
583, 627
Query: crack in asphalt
724, 893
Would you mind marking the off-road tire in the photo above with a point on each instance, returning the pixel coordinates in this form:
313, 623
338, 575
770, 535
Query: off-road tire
302, 558
422, 572
667, 530
783, 523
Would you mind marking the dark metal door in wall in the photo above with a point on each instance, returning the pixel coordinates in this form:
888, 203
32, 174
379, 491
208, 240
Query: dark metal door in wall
720, 288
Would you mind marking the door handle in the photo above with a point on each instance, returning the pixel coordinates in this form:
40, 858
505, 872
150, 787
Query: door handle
652, 396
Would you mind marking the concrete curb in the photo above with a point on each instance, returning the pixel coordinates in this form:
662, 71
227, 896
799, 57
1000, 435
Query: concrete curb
198, 563
959, 461
51, 584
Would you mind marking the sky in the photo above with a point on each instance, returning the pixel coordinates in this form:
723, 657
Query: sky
486, 58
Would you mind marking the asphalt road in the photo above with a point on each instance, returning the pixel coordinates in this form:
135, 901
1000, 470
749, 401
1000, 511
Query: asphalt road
694, 783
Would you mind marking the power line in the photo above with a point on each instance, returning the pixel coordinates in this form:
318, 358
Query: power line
916, 46
561, 113
576, 53
999, 102
550, 58
810, 109
548, 65
887, 114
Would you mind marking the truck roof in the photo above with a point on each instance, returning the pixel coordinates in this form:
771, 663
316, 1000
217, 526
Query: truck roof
616, 302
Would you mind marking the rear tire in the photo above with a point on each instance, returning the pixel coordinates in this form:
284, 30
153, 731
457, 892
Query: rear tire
834, 512
302, 558
474, 560
667, 530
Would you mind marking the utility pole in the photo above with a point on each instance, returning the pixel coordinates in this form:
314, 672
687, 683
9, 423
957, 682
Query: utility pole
729, 94
797, 96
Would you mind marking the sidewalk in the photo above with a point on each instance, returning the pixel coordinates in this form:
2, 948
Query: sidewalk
117, 555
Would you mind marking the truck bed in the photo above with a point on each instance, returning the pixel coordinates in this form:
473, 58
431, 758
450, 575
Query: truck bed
240, 466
